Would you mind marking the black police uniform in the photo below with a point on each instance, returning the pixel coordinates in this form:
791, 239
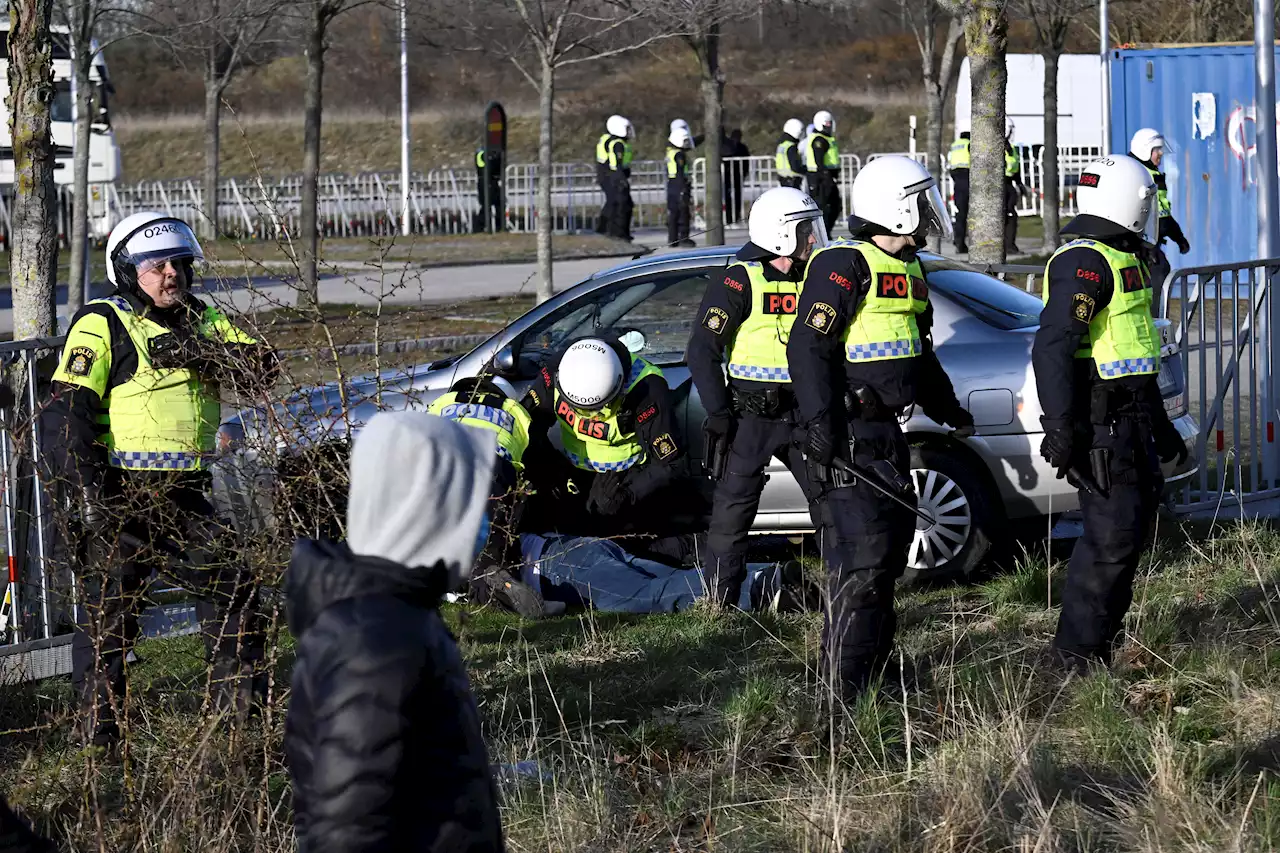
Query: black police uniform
653, 500
823, 186
496, 206
679, 197
960, 193
866, 537
1120, 424
1012, 194
142, 521
617, 212
759, 418
795, 159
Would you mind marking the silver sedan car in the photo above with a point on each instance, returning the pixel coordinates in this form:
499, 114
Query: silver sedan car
974, 489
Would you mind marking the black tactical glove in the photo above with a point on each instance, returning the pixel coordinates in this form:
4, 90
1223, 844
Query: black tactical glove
609, 495
1057, 448
1169, 445
820, 445
720, 426
1183, 245
175, 352
962, 421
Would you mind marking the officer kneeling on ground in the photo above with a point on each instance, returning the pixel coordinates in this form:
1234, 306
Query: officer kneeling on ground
130, 431
1096, 358
860, 354
749, 312
620, 459
491, 403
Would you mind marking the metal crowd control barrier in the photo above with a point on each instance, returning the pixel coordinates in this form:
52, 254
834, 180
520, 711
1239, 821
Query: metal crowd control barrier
757, 175
1220, 316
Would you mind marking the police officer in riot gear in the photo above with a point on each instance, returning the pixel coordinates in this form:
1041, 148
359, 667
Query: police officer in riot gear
745, 320
1012, 191
130, 432
860, 354
1147, 147
1096, 359
788, 162
822, 166
491, 403
489, 188
958, 161
679, 189
613, 171
619, 466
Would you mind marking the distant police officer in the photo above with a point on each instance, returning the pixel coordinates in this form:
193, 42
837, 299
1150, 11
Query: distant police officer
745, 319
787, 159
1147, 146
958, 160
489, 192
131, 429
620, 456
822, 166
1096, 358
492, 403
613, 171
679, 190
860, 354
1012, 191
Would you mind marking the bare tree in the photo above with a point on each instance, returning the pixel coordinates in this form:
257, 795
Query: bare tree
227, 36
986, 36
554, 34
33, 262
700, 23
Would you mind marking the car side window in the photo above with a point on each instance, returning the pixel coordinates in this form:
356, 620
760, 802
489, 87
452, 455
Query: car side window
652, 314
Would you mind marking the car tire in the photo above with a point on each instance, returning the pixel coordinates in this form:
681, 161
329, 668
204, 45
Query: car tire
941, 478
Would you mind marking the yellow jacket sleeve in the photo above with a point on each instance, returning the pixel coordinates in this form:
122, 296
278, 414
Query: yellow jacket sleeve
86, 357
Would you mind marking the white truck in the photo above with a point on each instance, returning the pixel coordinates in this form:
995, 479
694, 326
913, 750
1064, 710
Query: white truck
104, 154
1080, 101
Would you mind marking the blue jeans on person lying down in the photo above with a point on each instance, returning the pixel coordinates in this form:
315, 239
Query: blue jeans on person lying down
581, 570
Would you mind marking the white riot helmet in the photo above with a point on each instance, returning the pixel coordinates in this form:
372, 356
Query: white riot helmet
1144, 142
146, 240
824, 122
1120, 190
897, 194
590, 374
678, 123
780, 224
617, 126
475, 385
681, 138
793, 128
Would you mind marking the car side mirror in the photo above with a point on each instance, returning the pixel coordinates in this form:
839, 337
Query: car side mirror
504, 362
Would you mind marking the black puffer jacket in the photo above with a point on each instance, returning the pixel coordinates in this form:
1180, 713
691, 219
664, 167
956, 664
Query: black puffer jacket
17, 837
383, 735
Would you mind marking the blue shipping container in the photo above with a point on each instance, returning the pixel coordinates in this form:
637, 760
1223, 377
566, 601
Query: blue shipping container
1202, 100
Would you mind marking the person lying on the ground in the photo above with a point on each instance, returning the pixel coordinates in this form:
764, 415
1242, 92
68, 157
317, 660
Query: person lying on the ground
383, 736
600, 574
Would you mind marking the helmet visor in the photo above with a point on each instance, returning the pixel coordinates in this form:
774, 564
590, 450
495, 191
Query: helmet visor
1150, 231
933, 213
158, 242
811, 232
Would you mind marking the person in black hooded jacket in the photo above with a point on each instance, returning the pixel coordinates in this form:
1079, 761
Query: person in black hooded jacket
383, 734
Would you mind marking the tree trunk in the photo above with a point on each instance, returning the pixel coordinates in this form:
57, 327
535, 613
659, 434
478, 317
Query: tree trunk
309, 239
33, 261
712, 112
546, 221
945, 82
1049, 155
212, 125
81, 60
933, 106
986, 32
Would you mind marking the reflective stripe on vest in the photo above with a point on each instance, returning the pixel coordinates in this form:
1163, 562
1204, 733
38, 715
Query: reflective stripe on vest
593, 441
510, 422
1162, 192
162, 420
782, 159
958, 157
885, 326
1123, 339
1010, 163
758, 350
480, 159
831, 160
674, 169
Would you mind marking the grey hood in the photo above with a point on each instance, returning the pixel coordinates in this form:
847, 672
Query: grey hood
419, 489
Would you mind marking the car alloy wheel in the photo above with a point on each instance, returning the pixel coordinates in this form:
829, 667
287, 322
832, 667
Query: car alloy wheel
939, 496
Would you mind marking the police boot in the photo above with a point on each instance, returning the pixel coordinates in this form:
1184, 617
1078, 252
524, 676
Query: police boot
492, 584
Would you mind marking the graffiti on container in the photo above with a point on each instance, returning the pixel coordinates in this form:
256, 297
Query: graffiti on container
1242, 140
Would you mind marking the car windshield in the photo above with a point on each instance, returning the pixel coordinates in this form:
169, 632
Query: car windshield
990, 300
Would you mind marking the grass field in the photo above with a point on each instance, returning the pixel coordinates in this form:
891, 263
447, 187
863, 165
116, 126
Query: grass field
695, 732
